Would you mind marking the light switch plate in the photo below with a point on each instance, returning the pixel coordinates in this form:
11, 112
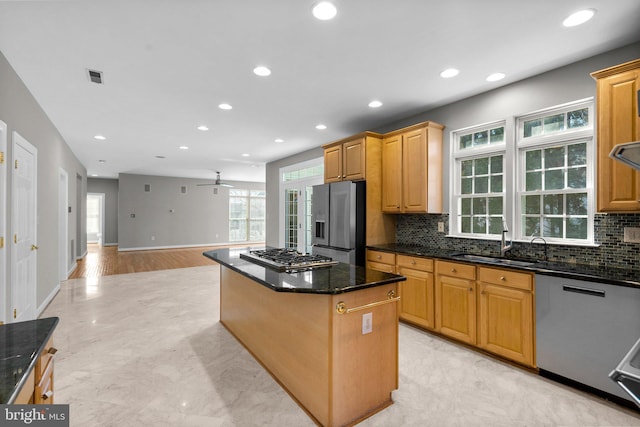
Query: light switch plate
441, 227
367, 323
632, 234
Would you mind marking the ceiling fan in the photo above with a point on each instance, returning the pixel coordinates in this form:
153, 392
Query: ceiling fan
217, 182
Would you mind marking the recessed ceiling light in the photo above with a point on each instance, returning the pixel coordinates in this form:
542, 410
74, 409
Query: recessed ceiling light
579, 17
94, 174
100, 137
375, 104
202, 128
183, 147
279, 140
245, 155
449, 72
225, 107
324, 11
262, 71
321, 127
495, 77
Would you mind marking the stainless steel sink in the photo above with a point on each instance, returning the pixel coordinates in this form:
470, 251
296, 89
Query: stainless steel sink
495, 260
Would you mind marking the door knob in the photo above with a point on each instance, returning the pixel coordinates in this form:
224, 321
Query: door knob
34, 247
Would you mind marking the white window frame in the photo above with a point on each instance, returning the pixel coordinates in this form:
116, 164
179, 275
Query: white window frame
248, 197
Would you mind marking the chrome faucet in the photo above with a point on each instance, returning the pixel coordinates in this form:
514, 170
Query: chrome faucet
545, 245
504, 247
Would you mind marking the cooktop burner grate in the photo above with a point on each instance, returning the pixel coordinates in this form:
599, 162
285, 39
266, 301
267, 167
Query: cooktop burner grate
288, 259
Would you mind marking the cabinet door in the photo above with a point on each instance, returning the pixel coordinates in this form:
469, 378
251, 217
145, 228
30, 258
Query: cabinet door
333, 164
618, 121
354, 166
392, 174
381, 261
456, 308
505, 322
417, 297
414, 171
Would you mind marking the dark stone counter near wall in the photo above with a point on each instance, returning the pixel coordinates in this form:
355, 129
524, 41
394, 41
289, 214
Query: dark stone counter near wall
614, 276
336, 279
20, 345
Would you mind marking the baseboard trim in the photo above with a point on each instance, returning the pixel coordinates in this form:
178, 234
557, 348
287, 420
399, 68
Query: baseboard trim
73, 267
48, 300
150, 248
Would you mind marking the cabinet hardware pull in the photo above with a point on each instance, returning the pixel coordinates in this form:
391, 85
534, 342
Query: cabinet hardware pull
379, 256
52, 350
503, 278
586, 291
470, 289
341, 307
453, 270
47, 395
413, 263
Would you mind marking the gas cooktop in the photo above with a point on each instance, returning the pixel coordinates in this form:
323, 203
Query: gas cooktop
287, 260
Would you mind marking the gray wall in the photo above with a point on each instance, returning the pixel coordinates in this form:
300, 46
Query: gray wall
273, 190
199, 217
20, 111
109, 187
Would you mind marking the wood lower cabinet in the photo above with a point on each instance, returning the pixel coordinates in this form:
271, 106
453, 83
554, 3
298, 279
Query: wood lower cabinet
505, 314
417, 295
381, 261
455, 297
618, 96
38, 388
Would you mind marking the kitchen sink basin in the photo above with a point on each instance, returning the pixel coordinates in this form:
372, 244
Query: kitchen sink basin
496, 260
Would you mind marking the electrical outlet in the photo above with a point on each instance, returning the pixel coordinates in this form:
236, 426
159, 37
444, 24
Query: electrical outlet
367, 323
632, 234
441, 227
153, 237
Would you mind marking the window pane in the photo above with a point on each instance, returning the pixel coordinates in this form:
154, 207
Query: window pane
258, 193
577, 178
482, 184
257, 231
577, 228
532, 128
554, 123
237, 230
578, 118
496, 135
533, 160
257, 208
467, 168
534, 181
495, 205
577, 204
482, 166
466, 141
479, 206
554, 157
532, 226
496, 164
466, 186
481, 138
237, 208
465, 224
465, 208
553, 204
479, 224
552, 227
495, 225
577, 155
554, 180
496, 184
531, 205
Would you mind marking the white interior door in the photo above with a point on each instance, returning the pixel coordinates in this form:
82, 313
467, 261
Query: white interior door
3, 223
95, 218
63, 225
24, 226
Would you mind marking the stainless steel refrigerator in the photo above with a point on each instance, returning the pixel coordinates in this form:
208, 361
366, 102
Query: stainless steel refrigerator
338, 218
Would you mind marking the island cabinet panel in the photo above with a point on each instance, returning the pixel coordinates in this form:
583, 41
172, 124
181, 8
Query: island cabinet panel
337, 374
26, 394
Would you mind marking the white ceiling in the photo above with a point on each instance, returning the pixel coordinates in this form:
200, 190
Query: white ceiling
167, 65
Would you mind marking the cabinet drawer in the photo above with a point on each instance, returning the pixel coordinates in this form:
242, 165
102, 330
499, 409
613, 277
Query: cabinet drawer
424, 264
455, 269
383, 257
510, 278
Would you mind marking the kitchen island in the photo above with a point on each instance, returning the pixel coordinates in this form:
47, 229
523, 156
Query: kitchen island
329, 336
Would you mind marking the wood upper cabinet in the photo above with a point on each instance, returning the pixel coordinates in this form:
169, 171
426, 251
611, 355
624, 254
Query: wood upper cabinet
505, 314
618, 97
345, 160
455, 310
417, 297
412, 169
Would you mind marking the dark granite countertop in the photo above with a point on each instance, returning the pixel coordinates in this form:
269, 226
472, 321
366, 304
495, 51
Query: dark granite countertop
326, 280
20, 345
614, 276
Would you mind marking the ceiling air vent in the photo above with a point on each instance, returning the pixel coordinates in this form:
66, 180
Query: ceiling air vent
95, 76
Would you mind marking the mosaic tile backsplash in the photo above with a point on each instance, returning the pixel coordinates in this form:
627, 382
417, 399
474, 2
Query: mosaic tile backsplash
612, 250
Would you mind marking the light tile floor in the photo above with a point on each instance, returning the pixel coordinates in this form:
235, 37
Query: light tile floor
147, 349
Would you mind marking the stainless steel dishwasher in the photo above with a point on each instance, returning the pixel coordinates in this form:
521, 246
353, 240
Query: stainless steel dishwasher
584, 329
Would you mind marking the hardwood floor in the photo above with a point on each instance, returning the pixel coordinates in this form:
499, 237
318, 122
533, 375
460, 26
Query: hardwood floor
106, 260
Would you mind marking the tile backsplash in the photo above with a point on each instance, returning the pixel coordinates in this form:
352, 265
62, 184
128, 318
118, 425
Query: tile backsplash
612, 251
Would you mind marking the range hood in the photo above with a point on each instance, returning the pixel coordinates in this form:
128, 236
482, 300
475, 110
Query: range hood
628, 152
